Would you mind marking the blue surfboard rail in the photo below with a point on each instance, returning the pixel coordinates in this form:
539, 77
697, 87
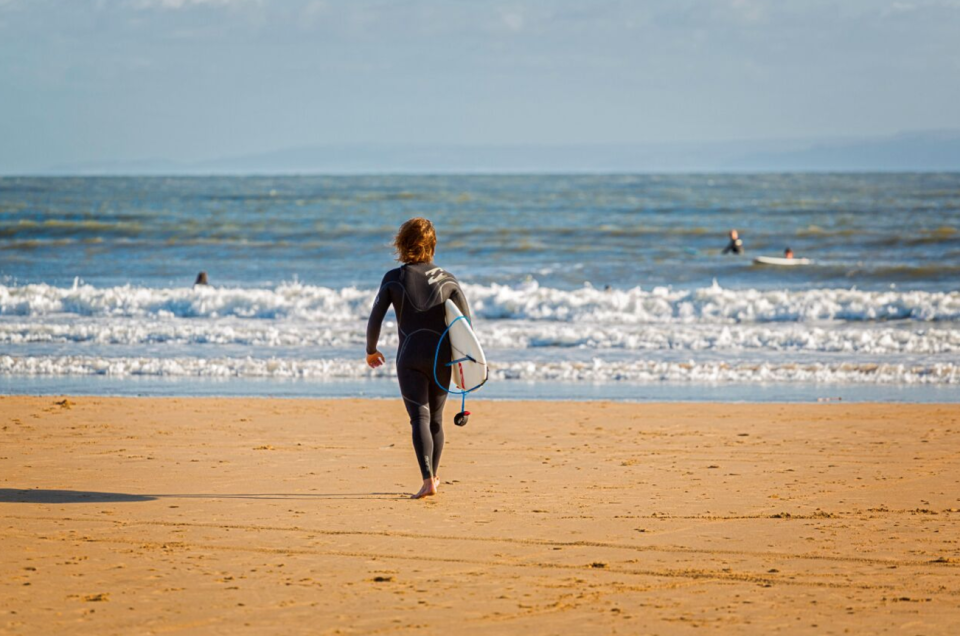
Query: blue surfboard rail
436, 358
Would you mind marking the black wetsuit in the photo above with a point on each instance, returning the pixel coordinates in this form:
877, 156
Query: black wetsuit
735, 246
418, 293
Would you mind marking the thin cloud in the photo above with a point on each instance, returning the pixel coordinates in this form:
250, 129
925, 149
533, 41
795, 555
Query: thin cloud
513, 20
183, 4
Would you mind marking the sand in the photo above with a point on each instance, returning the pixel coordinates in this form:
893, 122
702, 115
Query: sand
143, 516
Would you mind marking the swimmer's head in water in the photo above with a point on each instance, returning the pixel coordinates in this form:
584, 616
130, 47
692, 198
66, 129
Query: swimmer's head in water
788, 253
416, 241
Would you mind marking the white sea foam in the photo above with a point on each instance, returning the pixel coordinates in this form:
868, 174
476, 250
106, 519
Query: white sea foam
290, 300
873, 338
133, 331
710, 305
599, 371
296, 330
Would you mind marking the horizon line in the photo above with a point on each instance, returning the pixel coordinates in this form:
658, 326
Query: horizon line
472, 173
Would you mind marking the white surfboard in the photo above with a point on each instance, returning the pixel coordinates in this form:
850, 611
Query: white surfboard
469, 365
781, 261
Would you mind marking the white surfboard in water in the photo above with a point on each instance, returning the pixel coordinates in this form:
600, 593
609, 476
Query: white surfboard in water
469, 365
781, 261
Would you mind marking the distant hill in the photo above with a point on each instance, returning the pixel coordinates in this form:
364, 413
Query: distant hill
907, 152
921, 152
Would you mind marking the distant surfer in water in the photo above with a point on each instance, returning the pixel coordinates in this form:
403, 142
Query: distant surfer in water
735, 245
201, 279
788, 253
418, 290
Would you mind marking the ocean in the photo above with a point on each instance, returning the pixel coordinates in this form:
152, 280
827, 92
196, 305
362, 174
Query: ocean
590, 287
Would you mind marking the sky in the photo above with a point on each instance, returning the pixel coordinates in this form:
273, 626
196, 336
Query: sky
194, 80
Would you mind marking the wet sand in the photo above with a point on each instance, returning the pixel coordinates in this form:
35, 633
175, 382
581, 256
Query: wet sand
126, 515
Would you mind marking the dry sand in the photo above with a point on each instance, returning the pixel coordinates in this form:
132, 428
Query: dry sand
141, 516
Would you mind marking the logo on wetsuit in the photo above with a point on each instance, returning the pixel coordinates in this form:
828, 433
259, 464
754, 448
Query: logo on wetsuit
435, 275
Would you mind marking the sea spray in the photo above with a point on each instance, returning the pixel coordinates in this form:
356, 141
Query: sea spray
596, 370
528, 301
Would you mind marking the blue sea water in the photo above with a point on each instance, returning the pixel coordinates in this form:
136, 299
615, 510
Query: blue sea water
605, 286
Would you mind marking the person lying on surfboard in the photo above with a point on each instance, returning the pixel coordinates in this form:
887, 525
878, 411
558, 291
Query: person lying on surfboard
418, 290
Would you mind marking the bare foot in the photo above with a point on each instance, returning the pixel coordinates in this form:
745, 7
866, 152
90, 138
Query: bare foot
429, 489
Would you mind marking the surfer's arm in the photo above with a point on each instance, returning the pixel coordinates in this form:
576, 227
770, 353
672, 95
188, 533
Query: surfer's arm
461, 302
380, 306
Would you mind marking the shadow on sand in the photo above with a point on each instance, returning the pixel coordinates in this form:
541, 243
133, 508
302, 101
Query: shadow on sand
14, 495
39, 496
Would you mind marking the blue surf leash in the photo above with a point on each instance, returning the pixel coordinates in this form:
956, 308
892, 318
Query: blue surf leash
460, 419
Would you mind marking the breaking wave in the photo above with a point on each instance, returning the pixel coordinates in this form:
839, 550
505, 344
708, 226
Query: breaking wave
295, 330
858, 338
596, 370
529, 301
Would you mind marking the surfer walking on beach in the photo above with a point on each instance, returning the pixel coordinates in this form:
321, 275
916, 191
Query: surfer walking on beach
418, 290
